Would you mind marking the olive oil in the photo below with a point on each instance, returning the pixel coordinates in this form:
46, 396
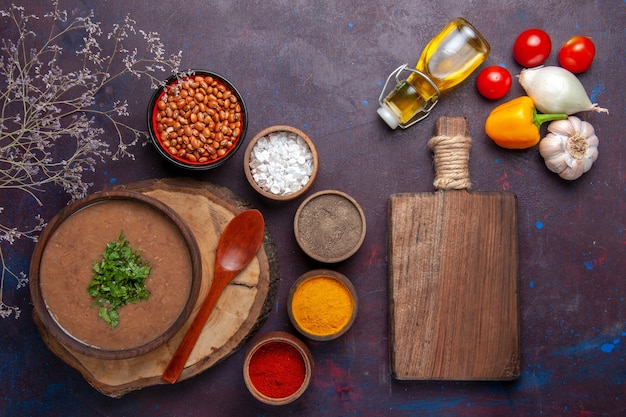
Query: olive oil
448, 59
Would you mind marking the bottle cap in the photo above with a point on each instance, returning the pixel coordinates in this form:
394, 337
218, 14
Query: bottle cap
388, 116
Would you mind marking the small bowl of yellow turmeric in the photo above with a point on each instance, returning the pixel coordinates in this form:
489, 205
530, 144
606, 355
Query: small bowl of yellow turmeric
322, 304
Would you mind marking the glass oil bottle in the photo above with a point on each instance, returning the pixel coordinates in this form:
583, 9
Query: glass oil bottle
448, 59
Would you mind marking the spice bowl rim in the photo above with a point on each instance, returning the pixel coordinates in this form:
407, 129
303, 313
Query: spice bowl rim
65, 338
311, 253
155, 137
291, 340
321, 272
252, 144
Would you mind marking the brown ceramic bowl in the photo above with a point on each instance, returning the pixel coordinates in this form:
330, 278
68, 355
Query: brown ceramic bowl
329, 226
280, 193
62, 269
205, 156
254, 354
322, 305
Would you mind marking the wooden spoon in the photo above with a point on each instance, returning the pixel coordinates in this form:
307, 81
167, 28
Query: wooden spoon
238, 245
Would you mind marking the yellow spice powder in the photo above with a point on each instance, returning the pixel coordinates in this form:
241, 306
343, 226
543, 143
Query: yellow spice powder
322, 305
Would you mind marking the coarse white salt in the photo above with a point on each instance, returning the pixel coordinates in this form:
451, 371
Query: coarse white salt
281, 163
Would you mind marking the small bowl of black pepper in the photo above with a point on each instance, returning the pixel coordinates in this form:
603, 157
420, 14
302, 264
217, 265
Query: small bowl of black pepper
281, 163
197, 120
329, 226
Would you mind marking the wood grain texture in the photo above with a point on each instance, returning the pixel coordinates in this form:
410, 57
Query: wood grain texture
243, 307
238, 245
453, 270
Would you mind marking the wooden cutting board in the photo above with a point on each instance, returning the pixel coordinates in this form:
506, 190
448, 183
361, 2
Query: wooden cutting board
242, 308
453, 271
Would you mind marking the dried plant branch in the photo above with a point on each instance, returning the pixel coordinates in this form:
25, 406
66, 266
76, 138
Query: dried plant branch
51, 125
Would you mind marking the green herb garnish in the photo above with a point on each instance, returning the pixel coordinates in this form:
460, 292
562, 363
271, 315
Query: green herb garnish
118, 279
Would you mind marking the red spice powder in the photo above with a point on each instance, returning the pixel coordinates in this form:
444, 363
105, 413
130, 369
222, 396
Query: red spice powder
277, 369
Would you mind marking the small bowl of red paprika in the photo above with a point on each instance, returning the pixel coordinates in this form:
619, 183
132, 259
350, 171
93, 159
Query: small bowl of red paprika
277, 368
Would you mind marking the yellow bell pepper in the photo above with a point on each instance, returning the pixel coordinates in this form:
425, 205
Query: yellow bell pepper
515, 124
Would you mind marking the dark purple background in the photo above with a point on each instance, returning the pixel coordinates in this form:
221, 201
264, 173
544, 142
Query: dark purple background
319, 66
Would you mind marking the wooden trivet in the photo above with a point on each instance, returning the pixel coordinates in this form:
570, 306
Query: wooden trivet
241, 310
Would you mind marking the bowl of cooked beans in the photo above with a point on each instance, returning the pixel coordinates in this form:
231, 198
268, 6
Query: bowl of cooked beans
197, 120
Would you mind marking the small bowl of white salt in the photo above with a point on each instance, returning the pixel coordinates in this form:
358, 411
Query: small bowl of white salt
281, 162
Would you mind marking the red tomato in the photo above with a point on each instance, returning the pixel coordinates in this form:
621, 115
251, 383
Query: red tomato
577, 54
494, 82
532, 47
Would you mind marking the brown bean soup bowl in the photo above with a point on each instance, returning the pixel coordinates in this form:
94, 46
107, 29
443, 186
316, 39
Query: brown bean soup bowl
62, 269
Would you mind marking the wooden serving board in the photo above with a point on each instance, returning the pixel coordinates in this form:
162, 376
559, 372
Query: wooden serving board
241, 310
453, 271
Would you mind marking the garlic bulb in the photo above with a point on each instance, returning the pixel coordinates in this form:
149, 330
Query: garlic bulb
570, 148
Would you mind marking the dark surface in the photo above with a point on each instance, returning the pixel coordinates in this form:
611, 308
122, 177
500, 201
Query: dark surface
319, 66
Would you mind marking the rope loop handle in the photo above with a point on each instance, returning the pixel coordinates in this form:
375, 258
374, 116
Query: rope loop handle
451, 158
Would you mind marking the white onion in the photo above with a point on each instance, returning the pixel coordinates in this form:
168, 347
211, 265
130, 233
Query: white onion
556, 90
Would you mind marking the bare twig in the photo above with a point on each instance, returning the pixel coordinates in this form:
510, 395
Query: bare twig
42, 105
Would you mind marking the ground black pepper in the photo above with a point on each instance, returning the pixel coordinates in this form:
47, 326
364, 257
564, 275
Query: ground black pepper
330, 226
